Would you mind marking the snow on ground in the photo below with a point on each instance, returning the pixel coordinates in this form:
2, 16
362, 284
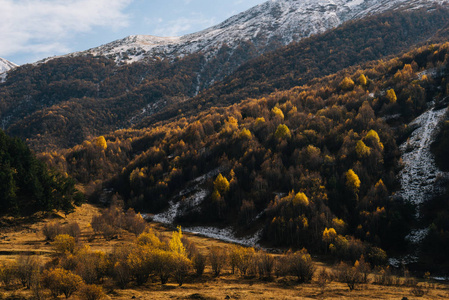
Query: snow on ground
192, 202
197, 196
225, 234
169, 216
419, 176
417, 235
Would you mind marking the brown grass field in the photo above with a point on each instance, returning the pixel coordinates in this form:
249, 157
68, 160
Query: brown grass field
26, 238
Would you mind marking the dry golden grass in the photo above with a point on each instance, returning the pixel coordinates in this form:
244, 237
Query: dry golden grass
26, 239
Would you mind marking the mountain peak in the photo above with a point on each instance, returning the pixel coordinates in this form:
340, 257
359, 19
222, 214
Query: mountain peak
6, 65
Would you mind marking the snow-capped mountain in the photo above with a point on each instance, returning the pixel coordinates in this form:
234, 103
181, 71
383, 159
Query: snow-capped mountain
275, 22
5, 65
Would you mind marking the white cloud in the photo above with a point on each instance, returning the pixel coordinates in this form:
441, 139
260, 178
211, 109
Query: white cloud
45, 26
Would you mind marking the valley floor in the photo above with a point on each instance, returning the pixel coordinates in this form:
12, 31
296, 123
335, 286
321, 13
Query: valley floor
27, 239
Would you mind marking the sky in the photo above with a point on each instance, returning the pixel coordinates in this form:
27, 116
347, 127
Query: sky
31, 30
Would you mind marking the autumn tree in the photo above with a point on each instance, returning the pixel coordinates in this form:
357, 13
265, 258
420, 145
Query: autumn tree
362, 80
221, 184
175, 244
362, 150
101, 142
60, 281
352, 182
217, 259
347, 83
91, 292
282, 132
277, 112
391, 96
64, 243
301, 199
300, 264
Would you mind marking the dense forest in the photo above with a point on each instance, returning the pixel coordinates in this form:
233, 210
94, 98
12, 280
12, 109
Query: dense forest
314, 166
26, 184
61, 103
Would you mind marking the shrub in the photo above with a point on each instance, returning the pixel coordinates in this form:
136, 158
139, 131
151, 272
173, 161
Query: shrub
363, 268
349, 275
91, 292
51, 230
119, 268
121, 274
148, 238
8, 273
242, 258
72, 229
60, 281
27, 266
265, 264
199, 263
100, 226
134, 223
64, 243
140, 262
301, 265
217, 258
162, 264
324, 278
181, 268
91, 266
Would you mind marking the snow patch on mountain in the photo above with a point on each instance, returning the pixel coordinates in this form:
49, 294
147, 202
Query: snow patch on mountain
275, 22
420, 175
5, 66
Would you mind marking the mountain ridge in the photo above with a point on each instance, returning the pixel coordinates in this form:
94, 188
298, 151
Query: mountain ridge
275, 22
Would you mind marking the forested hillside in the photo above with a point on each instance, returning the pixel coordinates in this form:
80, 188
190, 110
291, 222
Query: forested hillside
352, 43
26, 184
314, 166
61, 103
